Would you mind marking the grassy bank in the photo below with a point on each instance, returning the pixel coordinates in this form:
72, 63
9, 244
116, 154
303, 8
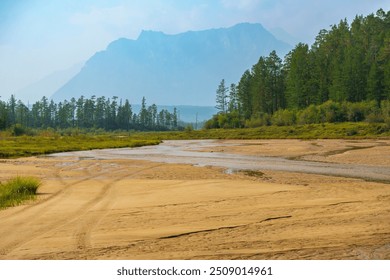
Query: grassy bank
310, 131
21, 146
17, 190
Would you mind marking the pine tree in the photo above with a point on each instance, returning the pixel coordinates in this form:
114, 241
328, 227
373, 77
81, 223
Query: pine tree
298, 91
233, 98
244, 95
221, 97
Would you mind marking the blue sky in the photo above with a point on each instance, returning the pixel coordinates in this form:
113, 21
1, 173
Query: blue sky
38, 37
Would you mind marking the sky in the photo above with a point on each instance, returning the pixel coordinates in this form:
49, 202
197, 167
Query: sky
39, 37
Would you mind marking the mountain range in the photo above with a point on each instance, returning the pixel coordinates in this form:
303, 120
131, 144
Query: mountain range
47, 85
181, 69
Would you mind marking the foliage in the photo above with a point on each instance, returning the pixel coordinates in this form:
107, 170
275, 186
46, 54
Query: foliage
328, 112
283, 117
46, 142
83, 113
50, 142
17, 190
221, 97
343, 76
307, 131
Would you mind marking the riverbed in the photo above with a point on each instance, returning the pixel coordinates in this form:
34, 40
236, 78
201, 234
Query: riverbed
209, 199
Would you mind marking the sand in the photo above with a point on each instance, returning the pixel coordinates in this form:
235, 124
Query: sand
137, 209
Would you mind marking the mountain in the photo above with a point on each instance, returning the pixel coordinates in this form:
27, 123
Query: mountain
47, 85
284, 36
182, 69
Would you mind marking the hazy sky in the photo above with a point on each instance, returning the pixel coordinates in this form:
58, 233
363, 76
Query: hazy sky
38, 37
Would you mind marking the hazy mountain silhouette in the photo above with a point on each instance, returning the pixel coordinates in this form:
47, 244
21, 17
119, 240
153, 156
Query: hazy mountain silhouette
47, 85
172, 69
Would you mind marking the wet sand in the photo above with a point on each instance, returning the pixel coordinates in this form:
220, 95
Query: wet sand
110, 204
229, 155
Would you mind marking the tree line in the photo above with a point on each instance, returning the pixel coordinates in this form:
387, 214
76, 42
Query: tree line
343, 76
85, 113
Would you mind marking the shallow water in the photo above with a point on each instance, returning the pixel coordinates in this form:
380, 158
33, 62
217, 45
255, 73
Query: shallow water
189, 152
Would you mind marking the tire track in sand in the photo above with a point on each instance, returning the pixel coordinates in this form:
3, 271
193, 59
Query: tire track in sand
24, 231
89, 220
82, 215
46, 202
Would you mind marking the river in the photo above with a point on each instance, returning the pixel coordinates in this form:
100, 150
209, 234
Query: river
190, 152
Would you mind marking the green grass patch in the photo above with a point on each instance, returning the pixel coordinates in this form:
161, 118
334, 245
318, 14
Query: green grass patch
23, 146
346, 130
17, 190
51, 142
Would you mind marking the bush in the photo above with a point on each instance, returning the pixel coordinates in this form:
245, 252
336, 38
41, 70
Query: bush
212, 123
189, 128
17, 190
258, 121
332, 112
222, 121
283, 118
18, 130
310, 115
385, 109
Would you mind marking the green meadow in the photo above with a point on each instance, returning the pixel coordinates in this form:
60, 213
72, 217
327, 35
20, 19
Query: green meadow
52, 142
24, 146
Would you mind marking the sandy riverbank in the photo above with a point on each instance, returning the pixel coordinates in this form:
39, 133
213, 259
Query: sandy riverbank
136, 209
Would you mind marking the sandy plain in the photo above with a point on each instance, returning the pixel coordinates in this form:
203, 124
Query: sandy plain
95, 208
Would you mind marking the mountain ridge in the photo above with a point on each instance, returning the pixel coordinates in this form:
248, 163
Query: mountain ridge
167, 69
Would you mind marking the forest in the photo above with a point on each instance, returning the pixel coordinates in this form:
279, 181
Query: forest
84, 113
344, 76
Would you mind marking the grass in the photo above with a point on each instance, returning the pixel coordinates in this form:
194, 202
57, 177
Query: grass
253, 173
312, 131
46, 143
23, 146
17, 190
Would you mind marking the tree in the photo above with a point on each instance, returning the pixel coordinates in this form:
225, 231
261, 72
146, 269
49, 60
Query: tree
85, 113
174, 118
80, 112
22, 114
3, 115
298, 81
143, 114
113, 108
275, 99
374, 84
244, 95
100, 109
89, 110
221, 97
125, 114
233, 98
12, 110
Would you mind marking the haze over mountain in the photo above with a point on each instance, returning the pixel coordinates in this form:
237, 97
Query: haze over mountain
47, 85
182, 69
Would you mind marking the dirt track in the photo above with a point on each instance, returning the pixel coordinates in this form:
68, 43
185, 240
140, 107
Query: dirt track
135, 209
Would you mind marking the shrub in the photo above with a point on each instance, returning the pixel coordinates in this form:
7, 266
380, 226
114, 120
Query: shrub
283, 118
212, 123
385, 109
258, 121
310, 115
189, 128
332, 112
19, 130
17, 190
